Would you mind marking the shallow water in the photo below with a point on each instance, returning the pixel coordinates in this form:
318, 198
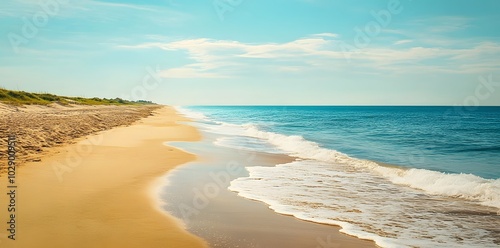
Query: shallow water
443, 192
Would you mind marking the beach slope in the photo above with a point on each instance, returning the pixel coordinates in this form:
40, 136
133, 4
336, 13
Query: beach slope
97, 192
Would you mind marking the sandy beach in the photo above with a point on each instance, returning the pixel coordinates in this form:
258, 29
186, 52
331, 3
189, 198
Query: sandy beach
98, 186
96, 192
41, 127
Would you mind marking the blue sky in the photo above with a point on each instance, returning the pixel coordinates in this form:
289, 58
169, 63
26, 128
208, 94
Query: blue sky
358, 52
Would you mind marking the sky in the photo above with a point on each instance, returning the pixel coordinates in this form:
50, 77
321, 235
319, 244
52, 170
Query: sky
255, 52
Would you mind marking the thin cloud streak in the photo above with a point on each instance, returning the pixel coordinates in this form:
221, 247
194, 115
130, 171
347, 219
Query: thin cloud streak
321, 51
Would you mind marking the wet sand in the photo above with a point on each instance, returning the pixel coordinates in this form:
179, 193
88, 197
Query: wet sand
197, 194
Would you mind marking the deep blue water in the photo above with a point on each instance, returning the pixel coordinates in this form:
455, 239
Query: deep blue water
445, 139
443, 192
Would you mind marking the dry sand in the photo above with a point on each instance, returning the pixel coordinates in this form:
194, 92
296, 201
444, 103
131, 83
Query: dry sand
39, 128
96, 192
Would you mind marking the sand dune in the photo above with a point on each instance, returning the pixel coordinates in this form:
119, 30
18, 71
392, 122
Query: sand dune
39, 128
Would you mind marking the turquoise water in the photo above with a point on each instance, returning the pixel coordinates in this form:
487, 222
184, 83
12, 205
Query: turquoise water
445, 139
443, 191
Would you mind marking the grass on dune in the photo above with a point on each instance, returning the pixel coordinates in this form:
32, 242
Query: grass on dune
26, 98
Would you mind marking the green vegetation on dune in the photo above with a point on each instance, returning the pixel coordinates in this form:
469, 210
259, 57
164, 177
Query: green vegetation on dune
25, 98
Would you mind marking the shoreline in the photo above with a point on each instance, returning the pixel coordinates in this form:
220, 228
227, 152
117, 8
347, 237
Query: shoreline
225, 219
101, 196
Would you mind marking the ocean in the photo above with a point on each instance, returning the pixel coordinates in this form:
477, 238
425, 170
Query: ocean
401, 176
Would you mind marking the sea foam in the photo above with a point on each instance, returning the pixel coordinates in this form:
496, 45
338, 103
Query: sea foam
467, 186
394, 206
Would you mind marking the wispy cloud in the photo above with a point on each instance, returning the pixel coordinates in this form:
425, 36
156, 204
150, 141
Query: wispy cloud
320, 52
400, 42
95, 11
124, 6
446, 24
331, 35
212, 57
190, 71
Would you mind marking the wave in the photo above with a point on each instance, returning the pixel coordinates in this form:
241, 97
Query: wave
367, 206
190, 114
465, 186
319, 187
